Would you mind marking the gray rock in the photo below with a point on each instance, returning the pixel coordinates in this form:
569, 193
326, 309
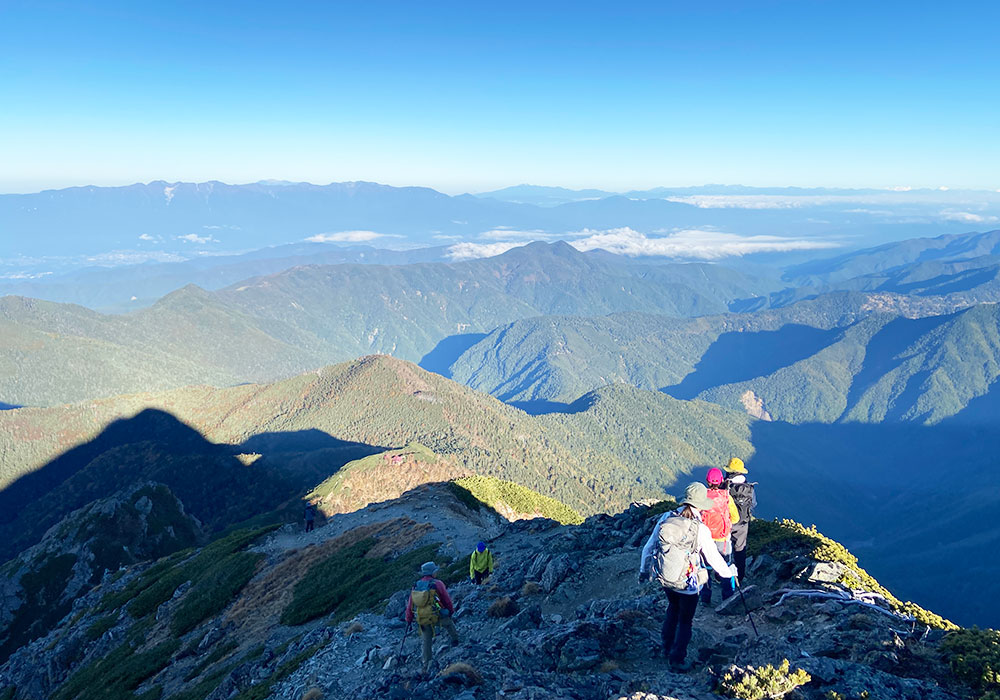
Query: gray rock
826, 572
734, 605
537, 566
579, 654
555, 572
529, 618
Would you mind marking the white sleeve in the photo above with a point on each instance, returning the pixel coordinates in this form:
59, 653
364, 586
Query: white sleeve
647, 550
711, 552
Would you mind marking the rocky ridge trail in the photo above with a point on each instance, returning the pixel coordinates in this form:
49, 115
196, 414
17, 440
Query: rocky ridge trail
562, 617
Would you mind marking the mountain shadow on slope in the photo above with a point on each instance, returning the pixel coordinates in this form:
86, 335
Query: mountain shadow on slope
447, 351
739, 356
908, 499
210, 481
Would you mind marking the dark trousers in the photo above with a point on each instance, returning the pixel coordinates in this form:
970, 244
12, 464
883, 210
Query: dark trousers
676, 632
480, 576
309, 525
740, 559
739, 538
726, 584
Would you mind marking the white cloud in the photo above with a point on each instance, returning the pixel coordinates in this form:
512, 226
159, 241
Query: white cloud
446, 237
349, 237
473, 251
692, 244
146, 237
506, 234
115, 258
195, 238
967, 217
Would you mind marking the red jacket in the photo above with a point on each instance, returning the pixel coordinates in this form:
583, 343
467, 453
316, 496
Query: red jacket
443, 598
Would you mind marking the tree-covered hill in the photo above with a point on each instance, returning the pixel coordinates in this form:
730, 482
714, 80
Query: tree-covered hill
271, 327
840, 357
619, 444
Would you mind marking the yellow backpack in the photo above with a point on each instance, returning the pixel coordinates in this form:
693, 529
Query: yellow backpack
424, 602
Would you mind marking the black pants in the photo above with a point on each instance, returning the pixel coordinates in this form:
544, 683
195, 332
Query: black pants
739, 539
726, 584
480, 576
740, 559
309, 525
677, 625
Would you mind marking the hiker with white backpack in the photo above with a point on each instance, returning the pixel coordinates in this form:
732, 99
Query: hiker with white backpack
672, 557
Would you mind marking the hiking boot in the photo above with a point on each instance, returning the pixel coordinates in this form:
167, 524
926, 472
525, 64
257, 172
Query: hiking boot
680, 667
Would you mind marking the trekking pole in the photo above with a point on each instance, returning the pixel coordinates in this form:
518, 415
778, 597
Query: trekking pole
399, 654
736, 583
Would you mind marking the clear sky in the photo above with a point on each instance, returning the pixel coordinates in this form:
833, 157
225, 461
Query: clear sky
469, 96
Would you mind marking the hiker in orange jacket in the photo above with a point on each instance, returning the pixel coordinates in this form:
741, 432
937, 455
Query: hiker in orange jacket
720, 520
431, 606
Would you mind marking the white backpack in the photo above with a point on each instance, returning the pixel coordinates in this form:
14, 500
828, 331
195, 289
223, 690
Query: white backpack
677, 564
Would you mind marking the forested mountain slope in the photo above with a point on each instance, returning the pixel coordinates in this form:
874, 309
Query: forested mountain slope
621, 443
840, 357
272, 327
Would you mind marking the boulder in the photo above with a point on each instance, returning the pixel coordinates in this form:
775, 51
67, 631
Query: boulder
555, 572
826, 572
734, 605
579, 654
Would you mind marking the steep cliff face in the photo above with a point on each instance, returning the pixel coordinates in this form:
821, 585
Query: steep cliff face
38, 587
286, 614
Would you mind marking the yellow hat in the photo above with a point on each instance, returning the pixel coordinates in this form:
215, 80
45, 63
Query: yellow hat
735, 466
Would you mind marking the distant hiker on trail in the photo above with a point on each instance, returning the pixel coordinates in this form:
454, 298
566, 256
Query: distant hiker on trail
720, 519
480, 564
674, 553
745, 497
431, 605
310, 517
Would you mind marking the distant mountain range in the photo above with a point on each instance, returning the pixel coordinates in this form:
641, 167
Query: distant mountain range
59, 231
274, 326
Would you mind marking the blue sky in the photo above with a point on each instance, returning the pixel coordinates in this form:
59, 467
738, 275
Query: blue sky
468, 96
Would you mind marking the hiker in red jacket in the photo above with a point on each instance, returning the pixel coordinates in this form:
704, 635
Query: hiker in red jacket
431, 605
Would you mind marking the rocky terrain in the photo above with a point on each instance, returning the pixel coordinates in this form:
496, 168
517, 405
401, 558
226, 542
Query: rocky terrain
320, 615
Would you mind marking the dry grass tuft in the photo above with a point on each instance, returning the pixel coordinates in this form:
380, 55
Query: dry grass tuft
503, 607
354, 628
608, 666
313, 694
631, 615
530, 588
466, 672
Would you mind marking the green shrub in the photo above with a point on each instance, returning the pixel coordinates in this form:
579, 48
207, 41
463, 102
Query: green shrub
117, 674
214, 590
974, 657
667, 504
763, 682
156, 585
498, 495
220, 652
456, 571
102, 625
8, 693
204, 688
786, 538
262, 690
348, 583
154, 693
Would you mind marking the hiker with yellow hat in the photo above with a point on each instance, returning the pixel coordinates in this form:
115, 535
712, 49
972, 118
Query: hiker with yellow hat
744, 495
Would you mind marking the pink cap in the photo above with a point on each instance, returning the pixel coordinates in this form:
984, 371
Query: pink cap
714, 476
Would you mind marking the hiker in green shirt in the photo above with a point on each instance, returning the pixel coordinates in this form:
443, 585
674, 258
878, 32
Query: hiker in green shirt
480, 563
